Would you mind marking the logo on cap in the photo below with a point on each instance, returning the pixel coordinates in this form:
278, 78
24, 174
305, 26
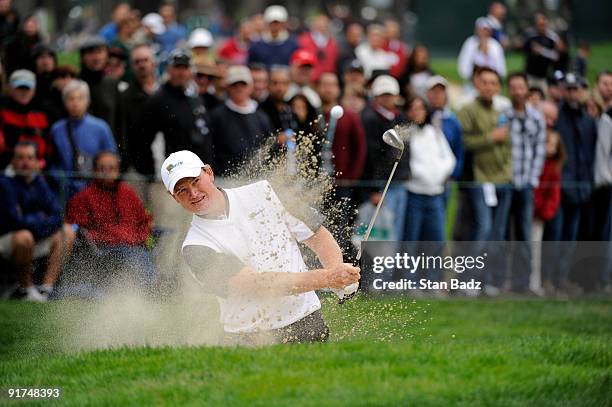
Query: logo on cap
170, 167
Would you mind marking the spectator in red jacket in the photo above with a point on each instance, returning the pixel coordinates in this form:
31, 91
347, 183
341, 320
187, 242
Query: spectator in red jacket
397, 46
547, 196
349, 143
114, 224
236, 49
546, 200
322, 44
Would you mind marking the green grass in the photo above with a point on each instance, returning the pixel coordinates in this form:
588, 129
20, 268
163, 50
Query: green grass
383, 353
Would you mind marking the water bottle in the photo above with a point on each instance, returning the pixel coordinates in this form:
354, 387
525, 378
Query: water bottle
502, 120
291, 159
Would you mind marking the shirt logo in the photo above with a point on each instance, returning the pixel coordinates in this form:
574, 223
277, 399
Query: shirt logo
170, 167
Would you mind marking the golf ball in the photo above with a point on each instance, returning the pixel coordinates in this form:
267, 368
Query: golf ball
336, 112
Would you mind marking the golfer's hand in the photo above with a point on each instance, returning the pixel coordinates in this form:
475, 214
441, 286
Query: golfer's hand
342, 275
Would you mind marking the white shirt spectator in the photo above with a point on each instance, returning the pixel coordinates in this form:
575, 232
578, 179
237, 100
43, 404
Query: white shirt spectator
471, 56
375, 59
431, 161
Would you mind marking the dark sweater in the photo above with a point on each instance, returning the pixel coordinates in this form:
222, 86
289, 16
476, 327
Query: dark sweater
272, 53
104, 96
236, 136
380, 157
28, 206
183, 121
579, 136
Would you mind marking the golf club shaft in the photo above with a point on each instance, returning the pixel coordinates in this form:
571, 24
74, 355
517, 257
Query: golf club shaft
373, 220
350, 289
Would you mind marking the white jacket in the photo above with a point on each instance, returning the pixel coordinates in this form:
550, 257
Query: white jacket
431, 161
471, 56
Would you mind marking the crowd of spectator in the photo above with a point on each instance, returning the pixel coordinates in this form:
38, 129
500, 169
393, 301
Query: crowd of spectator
536, 165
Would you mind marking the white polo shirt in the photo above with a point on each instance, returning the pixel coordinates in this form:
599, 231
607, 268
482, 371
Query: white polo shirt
264, 236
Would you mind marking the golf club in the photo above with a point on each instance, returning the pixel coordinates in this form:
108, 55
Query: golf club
392, 138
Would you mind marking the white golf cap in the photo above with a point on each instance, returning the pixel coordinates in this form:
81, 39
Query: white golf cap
155, 23
179, 165
276, 13
200, 37
22, 78
385, 84
483, 22
436, 80
238, 73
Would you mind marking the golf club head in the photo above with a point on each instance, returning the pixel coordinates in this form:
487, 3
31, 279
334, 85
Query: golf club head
392, 138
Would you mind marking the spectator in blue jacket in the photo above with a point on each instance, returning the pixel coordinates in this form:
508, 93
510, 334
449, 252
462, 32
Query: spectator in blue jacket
444, 119
175, 33
31, 224
109, 30
77, 140
276, 45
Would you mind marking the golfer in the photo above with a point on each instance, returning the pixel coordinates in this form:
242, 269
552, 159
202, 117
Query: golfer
242, 246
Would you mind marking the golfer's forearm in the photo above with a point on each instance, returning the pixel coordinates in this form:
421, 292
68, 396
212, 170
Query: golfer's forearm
325, 247
271, 284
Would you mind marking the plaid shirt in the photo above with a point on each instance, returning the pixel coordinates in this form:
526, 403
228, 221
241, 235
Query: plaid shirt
528, 135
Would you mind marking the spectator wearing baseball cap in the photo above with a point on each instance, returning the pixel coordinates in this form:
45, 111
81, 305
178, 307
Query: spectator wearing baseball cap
21, 119
200, 42
444, 119
276, 45
302, 68
353, 74
238, 128
153, 23
379, 116
472, 55
553, 86
579, 135
176, 112
207, 78
319, 41
117, 63
152, 27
